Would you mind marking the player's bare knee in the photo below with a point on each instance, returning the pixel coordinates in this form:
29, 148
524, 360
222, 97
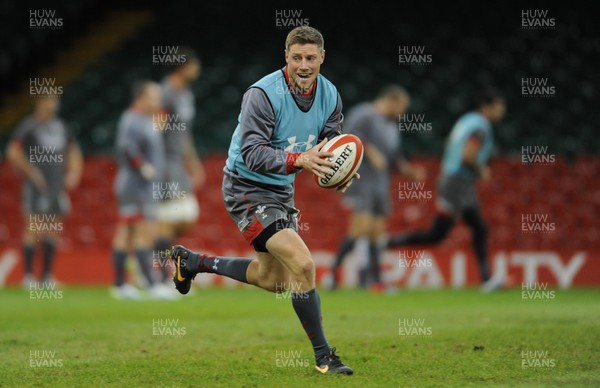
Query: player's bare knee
303, 272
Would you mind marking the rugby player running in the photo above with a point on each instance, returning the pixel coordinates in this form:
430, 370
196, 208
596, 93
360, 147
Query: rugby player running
286, 118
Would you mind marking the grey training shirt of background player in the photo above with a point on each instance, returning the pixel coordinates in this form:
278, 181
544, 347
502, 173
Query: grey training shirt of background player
136, 136
46, 146
180, 105
383, 134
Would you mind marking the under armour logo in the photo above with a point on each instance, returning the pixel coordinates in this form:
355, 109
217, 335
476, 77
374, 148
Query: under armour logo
214, 267
301, 146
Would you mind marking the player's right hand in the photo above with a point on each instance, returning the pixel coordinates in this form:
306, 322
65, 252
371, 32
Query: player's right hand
315, 160
418, 173
485, 173
198, 179
71, 181
38, 179
375, 157
147, 171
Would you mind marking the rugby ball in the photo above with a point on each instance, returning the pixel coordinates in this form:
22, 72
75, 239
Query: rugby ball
347, 153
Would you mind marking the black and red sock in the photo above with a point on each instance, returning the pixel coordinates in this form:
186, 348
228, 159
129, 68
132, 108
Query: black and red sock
308, 308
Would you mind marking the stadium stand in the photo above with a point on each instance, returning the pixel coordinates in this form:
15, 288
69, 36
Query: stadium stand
250, 46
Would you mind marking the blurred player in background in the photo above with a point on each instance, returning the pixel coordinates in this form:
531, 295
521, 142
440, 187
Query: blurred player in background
465, 160
286, 118
140, 159
45, 152
184, 171
376, 124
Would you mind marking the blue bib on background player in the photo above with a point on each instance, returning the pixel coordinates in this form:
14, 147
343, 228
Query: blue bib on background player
295, 130
472, 123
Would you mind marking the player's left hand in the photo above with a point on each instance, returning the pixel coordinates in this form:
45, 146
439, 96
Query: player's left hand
198, 179
418, 173
147, 171
486, 173
71, 181
343, 189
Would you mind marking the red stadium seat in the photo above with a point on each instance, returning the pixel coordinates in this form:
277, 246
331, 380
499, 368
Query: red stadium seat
569, 194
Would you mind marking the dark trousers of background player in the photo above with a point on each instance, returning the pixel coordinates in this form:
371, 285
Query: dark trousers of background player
438, 231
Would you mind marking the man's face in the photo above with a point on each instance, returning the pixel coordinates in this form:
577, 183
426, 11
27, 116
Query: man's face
47, 107
151, 98
398, 106
191, 70
497, 110
303, 64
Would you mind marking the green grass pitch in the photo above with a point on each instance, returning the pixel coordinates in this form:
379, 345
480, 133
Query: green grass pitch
248, 338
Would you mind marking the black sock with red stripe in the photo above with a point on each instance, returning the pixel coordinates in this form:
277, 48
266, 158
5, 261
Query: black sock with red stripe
232, 267
28, 256
48, 254
162, 245
119, 261
307, 305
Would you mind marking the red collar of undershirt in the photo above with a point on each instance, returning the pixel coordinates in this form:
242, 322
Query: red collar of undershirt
287, 80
